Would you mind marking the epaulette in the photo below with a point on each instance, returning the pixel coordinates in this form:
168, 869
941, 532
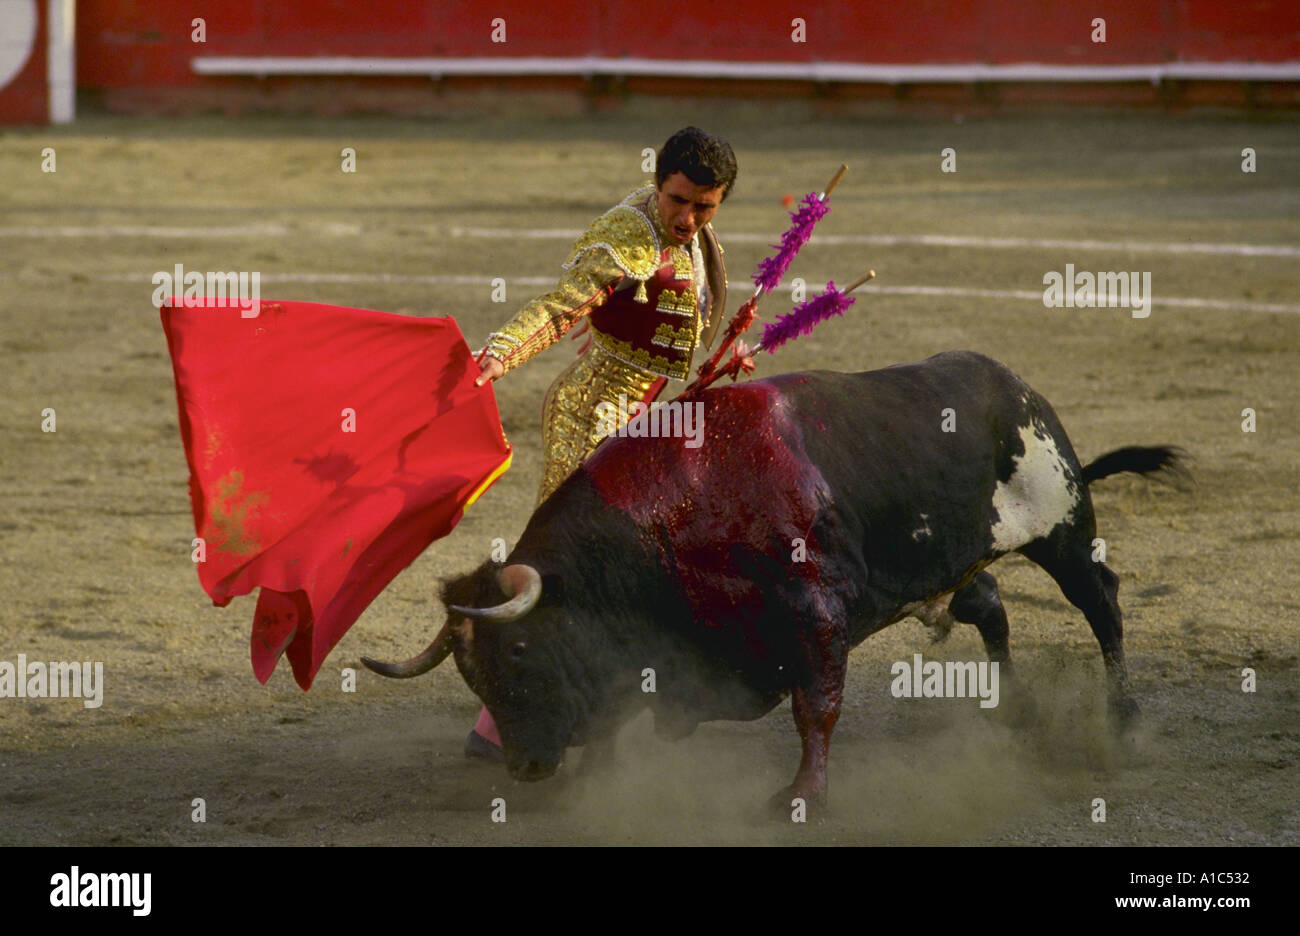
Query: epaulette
628, 236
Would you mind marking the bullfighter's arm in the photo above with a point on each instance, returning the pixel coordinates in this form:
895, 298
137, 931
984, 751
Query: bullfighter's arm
541, 323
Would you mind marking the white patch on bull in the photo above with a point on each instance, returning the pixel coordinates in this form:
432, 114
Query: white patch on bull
923, 529
934, 614
1038, 495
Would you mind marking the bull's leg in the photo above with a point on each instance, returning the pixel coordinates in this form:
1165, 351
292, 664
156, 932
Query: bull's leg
1094, 590
816, 702
978, 603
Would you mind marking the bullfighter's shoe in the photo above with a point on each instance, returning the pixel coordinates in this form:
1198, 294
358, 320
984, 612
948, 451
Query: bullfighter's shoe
478, 746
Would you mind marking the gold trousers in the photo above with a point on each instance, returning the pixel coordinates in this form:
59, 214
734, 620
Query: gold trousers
572, 426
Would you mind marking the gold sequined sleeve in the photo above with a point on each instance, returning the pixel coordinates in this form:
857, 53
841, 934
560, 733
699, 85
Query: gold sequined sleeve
542, 322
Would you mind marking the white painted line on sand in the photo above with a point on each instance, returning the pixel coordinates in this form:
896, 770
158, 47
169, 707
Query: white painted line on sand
544, 282
927, 240
140, 230
740, 237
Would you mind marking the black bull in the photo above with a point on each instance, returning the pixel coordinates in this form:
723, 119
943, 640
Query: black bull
820, 508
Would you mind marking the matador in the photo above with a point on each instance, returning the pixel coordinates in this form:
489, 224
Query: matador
648, 276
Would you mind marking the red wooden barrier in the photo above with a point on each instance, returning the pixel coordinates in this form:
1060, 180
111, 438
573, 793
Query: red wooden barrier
146, 47
24, 88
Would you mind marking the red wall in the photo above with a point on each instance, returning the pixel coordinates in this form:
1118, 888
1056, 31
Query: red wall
146, 44
26, 98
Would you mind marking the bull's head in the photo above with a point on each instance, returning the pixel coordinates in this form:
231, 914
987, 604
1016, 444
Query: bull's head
518, 657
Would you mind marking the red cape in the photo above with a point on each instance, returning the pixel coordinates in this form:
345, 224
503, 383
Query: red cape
328, 447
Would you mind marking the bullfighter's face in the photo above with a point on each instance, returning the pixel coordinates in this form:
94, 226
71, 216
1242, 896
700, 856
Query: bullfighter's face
685, 207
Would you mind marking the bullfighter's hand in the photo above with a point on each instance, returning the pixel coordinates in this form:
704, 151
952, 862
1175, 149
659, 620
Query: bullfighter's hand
489, 369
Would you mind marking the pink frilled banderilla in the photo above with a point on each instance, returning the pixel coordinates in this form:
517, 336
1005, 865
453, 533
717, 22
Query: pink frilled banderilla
804, 318
767, 278
802, 222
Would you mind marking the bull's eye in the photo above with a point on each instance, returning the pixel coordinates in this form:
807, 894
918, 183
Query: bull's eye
517, 651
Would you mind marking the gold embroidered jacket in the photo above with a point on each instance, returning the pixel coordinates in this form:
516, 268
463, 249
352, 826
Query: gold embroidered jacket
623, 246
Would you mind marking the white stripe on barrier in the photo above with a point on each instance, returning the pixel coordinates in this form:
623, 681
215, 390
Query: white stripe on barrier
60, 59
587, 66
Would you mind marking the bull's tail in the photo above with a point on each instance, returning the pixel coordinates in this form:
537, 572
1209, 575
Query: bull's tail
1167, 460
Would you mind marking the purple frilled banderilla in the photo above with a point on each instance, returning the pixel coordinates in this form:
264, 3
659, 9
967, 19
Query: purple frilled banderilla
803, 319
808, 315
767, 278
802, 222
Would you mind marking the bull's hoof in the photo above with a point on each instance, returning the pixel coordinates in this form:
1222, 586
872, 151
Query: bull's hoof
1021, 708
1125, 720
792, 803
1124, 714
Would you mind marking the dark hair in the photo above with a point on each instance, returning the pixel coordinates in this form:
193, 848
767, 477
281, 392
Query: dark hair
701, 157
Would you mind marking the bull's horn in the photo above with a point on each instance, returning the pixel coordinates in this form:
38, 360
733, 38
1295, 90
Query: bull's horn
523, 583
434, 654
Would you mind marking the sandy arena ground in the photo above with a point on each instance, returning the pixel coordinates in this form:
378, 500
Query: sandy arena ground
95, 520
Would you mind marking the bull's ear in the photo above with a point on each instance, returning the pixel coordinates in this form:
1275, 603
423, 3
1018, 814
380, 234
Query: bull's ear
552, 589
477, 589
